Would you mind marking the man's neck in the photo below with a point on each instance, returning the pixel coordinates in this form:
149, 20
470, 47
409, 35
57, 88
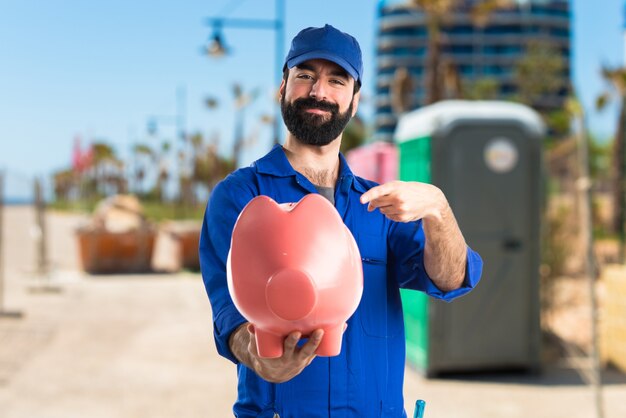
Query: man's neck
318, 164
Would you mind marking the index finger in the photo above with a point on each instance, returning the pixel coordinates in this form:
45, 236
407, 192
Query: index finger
309, 348
289, 345
376, 192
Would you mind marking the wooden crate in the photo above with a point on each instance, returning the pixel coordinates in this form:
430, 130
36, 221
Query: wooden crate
104, 252
186, 236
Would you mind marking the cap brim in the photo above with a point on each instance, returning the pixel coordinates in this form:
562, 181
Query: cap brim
326, 56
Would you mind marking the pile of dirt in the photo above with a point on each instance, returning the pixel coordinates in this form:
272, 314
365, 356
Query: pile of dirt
119, 213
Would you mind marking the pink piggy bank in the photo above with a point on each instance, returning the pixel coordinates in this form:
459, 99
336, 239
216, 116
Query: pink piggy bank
294, 267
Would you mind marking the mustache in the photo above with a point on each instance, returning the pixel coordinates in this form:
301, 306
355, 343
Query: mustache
311, 103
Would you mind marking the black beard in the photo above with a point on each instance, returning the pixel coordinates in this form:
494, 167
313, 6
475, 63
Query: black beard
310, 128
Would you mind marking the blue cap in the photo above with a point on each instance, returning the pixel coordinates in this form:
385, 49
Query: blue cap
326, 43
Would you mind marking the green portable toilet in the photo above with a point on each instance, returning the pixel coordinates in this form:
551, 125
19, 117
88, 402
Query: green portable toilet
486, 157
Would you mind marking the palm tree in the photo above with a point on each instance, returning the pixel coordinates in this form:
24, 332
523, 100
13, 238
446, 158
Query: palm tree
242, 101
539, 72
64, 182
143, 157
440, 76
484, 88
436, 12
616, 78
107, 168
208, 166
164, 171
354, 135
401, 91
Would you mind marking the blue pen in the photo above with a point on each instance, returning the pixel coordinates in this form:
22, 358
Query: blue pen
419, 409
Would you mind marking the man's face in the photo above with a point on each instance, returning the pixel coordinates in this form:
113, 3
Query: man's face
317, 101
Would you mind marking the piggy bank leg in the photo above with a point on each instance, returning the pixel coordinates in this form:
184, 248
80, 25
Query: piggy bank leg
331, 342
268, 345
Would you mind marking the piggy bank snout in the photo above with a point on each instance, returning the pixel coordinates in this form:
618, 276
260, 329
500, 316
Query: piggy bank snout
291, 294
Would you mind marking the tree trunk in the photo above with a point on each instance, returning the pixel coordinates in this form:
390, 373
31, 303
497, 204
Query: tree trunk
433, 86
619, 189
584, 196
239, 139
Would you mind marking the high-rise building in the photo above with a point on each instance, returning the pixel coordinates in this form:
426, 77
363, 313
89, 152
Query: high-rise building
473, 53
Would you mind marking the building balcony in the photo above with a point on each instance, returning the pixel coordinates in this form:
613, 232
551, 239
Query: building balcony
463, 22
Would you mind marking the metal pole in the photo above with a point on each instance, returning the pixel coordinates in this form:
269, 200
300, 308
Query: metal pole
620, 154
3, 313
280, 42
42, 249
586, 225
238, 139
181, 98
43, 265
1, 242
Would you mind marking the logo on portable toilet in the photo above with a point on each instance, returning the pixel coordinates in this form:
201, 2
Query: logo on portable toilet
501, 155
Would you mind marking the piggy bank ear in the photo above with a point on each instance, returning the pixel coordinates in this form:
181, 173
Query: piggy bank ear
256, 215
315, 208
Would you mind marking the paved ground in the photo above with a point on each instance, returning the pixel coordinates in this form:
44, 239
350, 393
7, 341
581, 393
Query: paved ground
141, 346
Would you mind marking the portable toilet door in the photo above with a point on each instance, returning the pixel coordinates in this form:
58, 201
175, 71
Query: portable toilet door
486, 158
377, 161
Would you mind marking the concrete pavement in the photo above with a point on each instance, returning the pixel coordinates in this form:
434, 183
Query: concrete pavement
141, 346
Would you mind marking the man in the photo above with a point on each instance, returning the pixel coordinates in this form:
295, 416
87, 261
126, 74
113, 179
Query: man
406, 233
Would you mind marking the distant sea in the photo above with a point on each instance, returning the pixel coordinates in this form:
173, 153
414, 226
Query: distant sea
17, 201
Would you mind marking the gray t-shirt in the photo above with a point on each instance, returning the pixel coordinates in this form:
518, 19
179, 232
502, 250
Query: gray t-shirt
327, 192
